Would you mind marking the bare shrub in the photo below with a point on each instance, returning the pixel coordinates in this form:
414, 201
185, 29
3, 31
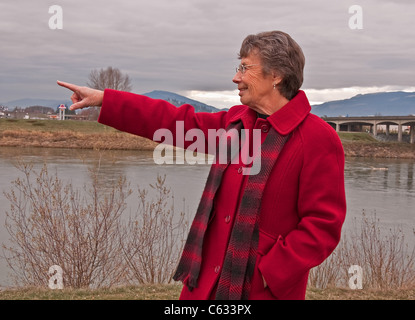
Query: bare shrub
153, 238
50, 223
326, 274
86, 233
387, 260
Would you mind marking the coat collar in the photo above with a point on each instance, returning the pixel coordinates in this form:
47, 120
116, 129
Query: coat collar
284, 120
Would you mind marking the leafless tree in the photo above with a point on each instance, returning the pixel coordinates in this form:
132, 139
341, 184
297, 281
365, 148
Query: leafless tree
111, 78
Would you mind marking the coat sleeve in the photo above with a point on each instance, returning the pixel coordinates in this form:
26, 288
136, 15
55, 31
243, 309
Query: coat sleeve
143, 116
321, 211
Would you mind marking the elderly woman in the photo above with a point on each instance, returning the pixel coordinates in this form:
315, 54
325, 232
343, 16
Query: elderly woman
254, 236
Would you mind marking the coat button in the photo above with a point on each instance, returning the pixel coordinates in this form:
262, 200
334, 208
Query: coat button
217, 269
240, 169
264, 128
228, 219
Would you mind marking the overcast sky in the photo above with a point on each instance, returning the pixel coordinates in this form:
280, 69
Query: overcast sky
190, 46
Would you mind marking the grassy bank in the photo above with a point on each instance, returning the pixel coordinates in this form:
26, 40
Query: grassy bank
358, 144
172, 292
68, 134
144, 292
92, 135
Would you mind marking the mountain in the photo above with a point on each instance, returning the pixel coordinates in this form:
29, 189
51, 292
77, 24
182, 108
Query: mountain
179, 100
171, 97
28, 102
384, 104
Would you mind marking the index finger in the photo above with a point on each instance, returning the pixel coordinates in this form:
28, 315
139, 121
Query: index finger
70, 86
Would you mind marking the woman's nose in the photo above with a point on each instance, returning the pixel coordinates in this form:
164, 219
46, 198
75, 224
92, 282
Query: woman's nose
237, 78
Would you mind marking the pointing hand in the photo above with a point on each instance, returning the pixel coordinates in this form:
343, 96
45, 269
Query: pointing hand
83, 97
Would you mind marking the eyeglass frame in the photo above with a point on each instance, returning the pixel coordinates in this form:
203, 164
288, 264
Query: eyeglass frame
243, 67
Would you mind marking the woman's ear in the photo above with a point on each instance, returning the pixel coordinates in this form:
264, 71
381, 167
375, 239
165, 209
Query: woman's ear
276, 78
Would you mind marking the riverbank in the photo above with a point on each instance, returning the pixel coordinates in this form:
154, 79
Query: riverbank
68, 134
358, 144
172, 292
92, 135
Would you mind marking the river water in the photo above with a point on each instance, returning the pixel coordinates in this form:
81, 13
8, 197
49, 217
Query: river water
383, 186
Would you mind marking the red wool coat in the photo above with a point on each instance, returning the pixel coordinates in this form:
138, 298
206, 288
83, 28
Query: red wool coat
303, 205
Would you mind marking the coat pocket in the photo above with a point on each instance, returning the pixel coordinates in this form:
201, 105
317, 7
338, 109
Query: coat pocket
258, 290
265, 242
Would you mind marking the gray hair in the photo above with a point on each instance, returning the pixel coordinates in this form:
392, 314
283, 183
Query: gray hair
279, 53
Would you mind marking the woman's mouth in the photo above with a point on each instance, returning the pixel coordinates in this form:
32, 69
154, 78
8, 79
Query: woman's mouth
242, 90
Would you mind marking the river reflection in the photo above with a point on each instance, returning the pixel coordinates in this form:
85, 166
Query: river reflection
384, 186
381, 175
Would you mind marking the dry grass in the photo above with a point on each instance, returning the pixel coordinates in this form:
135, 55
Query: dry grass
144, 292
53, 126
75, 140
357, 144
364, 294
172, 292
68, 134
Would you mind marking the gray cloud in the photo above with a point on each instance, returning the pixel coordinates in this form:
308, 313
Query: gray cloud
193, 44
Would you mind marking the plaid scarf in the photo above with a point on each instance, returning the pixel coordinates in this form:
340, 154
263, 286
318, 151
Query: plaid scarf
239, 264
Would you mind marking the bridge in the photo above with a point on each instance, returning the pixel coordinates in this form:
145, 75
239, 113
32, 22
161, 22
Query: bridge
372, 123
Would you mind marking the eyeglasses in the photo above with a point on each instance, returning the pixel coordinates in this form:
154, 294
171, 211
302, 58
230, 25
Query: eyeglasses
243, 67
